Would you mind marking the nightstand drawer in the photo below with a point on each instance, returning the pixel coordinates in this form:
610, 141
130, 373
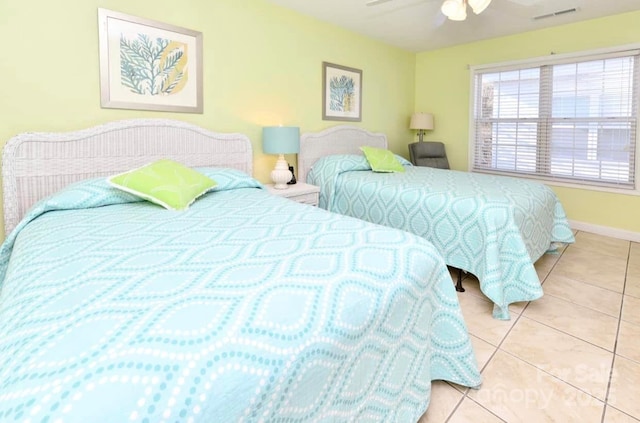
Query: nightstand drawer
310, 198
300, 192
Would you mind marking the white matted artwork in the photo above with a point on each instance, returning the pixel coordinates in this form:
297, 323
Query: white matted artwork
341, 93
149, 65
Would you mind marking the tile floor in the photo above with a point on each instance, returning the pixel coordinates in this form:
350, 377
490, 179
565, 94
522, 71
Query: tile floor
571, 356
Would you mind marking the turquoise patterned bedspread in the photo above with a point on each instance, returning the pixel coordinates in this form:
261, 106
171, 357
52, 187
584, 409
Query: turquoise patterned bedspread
247, 307
495, 227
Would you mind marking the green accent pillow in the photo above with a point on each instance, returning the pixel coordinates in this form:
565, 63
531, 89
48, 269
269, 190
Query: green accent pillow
382, 160
164, 182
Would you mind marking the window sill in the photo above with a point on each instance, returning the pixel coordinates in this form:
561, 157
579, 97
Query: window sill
551, 182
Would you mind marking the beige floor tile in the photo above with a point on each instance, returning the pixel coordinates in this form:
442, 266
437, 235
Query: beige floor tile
518, 307
602, 244
632, 284
625, 388
547, 261
545, 264
477, 313
634, 254
462, 389
557, 350
570, 359
584, 294
611, 415
516, 391
483, 350
542, 274
631, 310
629, 341
634, 258
591, 267
581, 322
470, 411
444, 399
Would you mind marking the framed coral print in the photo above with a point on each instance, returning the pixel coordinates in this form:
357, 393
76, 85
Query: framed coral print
149, 65
341, 93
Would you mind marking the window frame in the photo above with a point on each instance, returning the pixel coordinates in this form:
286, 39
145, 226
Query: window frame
550, 60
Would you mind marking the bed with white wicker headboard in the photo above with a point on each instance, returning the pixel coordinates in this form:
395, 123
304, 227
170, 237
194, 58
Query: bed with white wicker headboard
340, 139
514, 220
35, 165
237, 308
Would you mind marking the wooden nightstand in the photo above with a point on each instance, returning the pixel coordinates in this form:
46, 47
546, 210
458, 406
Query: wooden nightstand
302, 193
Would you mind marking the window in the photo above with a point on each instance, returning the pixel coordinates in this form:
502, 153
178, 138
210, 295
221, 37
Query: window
563, 119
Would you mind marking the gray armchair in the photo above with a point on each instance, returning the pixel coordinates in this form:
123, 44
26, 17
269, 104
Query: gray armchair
428, 153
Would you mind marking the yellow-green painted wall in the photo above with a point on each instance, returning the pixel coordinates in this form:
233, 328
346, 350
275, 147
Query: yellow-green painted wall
262, 66
443, 86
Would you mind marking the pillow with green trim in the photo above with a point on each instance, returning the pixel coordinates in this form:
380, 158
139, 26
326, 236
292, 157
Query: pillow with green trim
164, 182
382, 160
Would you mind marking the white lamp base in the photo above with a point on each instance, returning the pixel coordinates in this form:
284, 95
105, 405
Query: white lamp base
281, 174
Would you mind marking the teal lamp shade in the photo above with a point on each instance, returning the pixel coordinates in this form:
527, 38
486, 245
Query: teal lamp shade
281, 140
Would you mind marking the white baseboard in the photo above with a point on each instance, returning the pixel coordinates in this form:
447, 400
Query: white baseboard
605, 231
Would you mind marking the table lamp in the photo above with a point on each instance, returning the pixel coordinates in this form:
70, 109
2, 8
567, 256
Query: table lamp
281, 140
421, 122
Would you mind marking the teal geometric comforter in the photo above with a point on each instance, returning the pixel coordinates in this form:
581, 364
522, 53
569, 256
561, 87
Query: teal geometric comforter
246, 307
495, 227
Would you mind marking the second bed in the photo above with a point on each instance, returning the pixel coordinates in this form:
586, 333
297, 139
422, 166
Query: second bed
494, 227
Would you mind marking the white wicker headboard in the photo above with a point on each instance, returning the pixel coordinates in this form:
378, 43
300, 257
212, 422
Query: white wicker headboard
35, 165
341, 139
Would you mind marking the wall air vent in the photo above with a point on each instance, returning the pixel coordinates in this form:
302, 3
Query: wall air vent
558, 13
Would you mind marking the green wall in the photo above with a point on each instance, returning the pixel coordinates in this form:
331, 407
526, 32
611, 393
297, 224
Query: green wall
443, 87
262, 66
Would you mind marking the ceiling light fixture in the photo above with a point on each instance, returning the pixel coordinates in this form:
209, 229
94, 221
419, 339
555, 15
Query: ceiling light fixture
456, 10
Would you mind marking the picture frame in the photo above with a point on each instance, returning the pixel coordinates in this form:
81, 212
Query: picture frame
148, 65
341, 93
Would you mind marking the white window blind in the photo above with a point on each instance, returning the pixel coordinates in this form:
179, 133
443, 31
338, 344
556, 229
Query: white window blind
572, 121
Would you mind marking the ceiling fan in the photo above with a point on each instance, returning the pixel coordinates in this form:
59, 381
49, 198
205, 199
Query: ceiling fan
456, 10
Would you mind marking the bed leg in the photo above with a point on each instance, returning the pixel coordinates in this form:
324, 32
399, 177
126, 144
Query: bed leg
459, 287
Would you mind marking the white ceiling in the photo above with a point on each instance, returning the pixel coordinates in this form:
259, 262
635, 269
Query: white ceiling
418, 25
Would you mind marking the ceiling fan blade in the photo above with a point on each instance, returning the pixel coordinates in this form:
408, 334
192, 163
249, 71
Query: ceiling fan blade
376, 2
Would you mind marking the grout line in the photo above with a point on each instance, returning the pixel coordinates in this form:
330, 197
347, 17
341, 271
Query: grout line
603, 402
465, 394
568, 301
570, 334
564, 250
479, 405
456, 407
583, 249
615, 344
520, 315
499, 348
622, 412
595, 286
